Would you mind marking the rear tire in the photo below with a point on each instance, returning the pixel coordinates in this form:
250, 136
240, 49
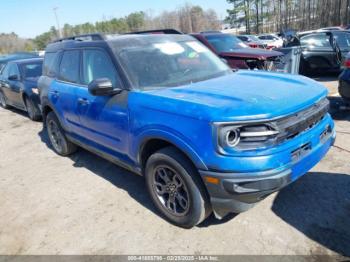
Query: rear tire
3, 103
32, 110
58, 139
176, 188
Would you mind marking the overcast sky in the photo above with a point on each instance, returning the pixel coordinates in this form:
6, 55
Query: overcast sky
32, 17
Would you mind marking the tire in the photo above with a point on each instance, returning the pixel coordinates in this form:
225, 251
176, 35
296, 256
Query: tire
32, 110
181, 197
57, 137
3, 103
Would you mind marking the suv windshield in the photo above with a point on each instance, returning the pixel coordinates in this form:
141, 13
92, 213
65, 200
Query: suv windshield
166, 61
225, 42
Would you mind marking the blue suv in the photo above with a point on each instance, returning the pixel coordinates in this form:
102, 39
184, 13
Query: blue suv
206, 139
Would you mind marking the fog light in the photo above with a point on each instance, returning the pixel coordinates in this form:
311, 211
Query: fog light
232, 137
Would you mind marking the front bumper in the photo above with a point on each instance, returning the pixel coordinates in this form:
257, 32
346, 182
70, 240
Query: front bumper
238, 192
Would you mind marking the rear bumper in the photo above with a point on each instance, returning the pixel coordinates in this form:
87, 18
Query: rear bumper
238, 192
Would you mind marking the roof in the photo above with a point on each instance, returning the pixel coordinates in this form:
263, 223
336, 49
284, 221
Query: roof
28, 60
78, 41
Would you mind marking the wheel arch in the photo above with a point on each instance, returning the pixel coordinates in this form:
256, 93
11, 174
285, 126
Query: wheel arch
151, 144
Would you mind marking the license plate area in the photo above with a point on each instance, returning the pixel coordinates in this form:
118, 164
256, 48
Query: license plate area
300, 152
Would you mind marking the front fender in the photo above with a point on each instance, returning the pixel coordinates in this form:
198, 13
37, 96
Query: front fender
170, 136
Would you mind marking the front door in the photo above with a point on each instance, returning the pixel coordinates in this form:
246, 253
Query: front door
103, 119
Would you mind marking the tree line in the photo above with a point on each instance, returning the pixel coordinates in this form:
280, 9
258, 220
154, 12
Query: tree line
187, 18
259, 16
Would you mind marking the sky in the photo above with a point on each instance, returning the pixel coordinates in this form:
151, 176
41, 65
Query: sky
29, 18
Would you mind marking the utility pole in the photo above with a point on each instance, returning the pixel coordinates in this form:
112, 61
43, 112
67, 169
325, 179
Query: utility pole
57, 22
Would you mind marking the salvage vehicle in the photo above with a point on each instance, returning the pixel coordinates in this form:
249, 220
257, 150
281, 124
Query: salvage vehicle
206, 138
252, 41
239, 55
344, 81
324, 51
19, 86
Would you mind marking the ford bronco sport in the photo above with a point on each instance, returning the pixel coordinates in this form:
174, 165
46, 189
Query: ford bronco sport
164, 106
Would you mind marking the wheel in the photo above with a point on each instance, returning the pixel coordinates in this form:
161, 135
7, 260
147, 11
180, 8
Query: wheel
176, 188
33, 111
3, 103
58, 139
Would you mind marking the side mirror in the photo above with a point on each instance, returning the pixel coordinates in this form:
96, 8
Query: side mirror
13, 77
103, 87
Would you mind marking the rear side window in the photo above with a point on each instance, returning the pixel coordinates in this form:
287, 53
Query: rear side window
97, 64
69, 67
50, 66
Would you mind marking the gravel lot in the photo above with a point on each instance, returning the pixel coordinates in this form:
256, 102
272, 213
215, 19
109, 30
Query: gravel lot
85, 205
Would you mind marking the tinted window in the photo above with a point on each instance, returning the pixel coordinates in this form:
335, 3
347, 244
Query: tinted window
32, 70
343, 39
97, 64
69, 68
50, 64
315, 40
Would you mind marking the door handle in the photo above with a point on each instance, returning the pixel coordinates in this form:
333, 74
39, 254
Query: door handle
83, 101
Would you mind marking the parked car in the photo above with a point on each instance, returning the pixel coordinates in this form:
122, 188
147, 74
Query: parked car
18, 86
237, 54
271, 41
164, 106
252, 41
15, 56
344, 81
324, 51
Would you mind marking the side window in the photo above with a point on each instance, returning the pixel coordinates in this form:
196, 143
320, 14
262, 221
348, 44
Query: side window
97, 64
50, 66
315, 40
13, 70
5, 71
69, 67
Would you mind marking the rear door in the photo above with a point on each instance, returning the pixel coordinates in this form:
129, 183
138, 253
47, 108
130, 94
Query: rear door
103, 119
62, 92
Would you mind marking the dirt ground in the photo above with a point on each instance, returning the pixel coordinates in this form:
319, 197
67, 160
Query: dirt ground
86, 205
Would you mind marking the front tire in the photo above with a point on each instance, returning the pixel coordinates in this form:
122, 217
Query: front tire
3, 103
176, 188
58, 139
32, 110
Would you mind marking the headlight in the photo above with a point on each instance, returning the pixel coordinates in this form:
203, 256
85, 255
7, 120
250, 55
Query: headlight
245, 137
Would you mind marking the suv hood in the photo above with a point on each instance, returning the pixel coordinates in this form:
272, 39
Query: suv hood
255, 53
244, 95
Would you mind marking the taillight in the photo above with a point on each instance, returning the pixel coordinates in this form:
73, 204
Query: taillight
253, 45
347, 63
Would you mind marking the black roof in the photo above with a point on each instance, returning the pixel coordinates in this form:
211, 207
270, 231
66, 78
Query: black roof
98, 40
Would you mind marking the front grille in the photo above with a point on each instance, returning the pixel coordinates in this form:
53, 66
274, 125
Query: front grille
300, 122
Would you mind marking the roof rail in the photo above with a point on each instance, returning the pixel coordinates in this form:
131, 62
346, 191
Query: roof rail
85, 37
158, 31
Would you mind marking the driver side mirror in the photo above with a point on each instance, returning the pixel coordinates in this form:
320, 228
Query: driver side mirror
13, 77
103, 87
